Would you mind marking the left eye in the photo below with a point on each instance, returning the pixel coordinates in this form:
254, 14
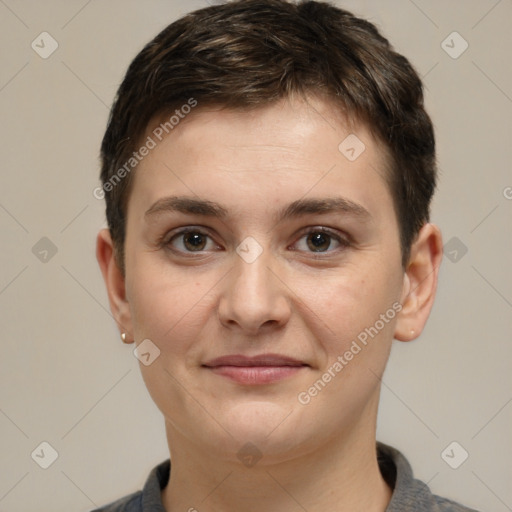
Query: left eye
320, 241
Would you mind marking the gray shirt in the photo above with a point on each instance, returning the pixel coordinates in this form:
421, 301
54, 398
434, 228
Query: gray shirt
409, 494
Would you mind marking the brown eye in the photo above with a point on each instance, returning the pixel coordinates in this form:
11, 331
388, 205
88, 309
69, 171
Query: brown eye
322, 240
194, 241
191, 241
318, 241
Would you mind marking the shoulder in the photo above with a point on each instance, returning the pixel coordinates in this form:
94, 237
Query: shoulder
147, 500
130, 503
410, 494
446, 505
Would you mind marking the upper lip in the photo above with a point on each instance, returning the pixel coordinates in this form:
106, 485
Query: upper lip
258, 360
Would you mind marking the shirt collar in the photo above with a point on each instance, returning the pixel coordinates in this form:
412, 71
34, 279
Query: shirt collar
409, 494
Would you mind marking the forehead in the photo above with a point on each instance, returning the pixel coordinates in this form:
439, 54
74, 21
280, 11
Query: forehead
287, 149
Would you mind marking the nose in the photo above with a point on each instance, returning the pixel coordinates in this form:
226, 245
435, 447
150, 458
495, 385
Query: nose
254, 299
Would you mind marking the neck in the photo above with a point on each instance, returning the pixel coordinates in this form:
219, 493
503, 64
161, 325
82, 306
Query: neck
341, 475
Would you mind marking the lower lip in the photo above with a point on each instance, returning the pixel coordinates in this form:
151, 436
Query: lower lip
256, 375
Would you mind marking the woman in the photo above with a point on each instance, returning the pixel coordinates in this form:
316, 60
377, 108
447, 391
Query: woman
268, 169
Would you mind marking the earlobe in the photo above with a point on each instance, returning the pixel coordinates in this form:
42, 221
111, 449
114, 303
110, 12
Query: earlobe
115, 282
420, 283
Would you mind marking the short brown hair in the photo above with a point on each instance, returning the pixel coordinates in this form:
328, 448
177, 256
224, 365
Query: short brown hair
250, 53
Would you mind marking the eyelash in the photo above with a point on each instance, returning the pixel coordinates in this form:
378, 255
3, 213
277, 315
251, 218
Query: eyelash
344, 242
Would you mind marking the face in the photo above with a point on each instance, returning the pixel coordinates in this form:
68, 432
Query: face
265, 265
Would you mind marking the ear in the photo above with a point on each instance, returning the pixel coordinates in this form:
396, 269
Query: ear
115, 283
420, 283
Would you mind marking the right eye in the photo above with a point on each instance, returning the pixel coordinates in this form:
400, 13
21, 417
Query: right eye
190, 240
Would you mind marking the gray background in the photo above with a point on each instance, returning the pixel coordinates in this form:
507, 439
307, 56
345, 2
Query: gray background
66, 378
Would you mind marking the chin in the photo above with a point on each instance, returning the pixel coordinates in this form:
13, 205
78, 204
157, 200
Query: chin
273, 428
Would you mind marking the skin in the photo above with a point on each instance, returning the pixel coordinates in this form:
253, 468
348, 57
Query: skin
292, 300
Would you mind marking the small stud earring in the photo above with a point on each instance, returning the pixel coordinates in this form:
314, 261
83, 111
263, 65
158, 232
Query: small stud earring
123, 337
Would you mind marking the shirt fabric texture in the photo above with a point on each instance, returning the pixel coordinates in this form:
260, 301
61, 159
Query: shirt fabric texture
409, 494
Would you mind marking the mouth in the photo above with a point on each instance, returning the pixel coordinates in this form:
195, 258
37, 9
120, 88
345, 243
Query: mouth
256, 370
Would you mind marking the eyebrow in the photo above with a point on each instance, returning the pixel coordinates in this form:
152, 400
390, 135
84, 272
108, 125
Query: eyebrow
324, 206
190, 205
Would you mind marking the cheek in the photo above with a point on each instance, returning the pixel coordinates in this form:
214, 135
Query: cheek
357, 306
170, 308
351, 300
174, 312
355, 334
